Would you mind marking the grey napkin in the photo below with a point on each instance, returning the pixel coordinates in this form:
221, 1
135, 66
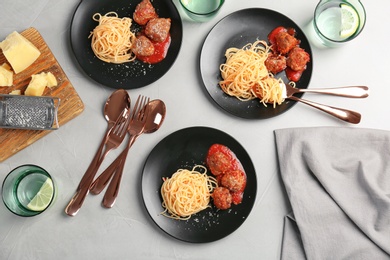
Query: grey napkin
338, 182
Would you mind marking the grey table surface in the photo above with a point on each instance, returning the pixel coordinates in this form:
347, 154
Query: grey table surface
126, 231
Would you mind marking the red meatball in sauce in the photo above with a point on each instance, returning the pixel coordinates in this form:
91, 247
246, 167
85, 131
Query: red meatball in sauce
222, 198
285, 42
234, 180
157, 29
275, 63
297, 59
144, 11
143, 46
221, 160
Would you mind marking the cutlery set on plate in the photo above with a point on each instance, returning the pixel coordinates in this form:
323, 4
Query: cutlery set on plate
146, 117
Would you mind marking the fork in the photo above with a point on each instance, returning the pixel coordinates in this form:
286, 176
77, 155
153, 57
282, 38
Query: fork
115, 138
340, 113
349, 91
112, 141
136, 127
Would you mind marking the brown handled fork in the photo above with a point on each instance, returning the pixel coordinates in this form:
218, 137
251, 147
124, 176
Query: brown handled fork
115, 138
136, 127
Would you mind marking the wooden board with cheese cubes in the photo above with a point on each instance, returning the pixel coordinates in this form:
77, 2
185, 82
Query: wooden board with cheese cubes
14, 140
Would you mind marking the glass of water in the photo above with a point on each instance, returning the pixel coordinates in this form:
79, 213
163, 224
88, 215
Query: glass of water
201, 10
336, 22
28, 190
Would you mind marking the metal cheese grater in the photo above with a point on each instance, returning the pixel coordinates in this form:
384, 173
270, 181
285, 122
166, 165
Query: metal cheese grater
28, 112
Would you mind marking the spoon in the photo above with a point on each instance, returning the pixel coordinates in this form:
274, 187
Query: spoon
155, 118
115, 104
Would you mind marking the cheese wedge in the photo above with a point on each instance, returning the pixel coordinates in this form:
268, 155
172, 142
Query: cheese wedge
6, 76
19, 51
51, 80
37, 85
39, 82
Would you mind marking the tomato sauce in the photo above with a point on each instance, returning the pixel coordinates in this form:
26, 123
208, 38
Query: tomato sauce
222, 162
293, 75
160, 51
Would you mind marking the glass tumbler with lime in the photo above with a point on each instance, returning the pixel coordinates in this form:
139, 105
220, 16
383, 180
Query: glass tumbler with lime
336, 22
28, 190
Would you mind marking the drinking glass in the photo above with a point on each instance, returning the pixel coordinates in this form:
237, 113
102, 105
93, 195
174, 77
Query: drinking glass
28, 190
201, 10
336, 22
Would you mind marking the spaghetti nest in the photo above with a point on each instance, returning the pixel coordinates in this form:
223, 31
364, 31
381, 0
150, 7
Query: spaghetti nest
245, 76
187, 192
112, 38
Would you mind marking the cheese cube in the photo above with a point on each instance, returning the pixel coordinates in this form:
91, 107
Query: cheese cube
19, 51
38, 83
6, 75
51, 80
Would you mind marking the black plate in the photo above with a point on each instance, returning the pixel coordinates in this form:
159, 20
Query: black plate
236, 30
128, 75
184, 149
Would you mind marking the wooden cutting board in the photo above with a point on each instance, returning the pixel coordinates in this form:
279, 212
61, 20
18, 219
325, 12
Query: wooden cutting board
14, 140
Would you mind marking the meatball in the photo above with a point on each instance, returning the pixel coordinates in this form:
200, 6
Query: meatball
234, 180
237, 197
285, 42
221, 160
144, 11
157, 29
143, 46
297, 59
222, 198
275, 63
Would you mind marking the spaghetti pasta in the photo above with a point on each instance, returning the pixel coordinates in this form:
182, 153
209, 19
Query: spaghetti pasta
245, 76
112, 38
187, 192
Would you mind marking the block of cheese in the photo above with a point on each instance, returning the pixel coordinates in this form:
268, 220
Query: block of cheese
51, 80
6, 75
37, 85
39, 82
19, 51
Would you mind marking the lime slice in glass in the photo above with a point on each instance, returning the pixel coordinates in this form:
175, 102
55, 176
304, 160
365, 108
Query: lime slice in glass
43, 198
349, 21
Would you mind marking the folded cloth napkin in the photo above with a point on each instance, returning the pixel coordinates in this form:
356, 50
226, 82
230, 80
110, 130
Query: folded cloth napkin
338, 182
